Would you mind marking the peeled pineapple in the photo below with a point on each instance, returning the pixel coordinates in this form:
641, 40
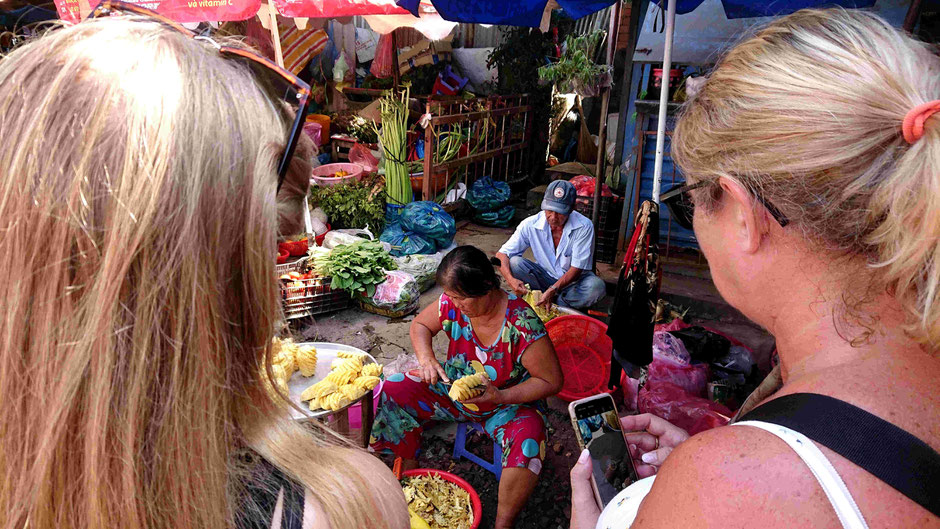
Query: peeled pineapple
468, 387
371, 370
343, 375
335, 401
306, 359
366, 382
349, 354
319, 390
352, 392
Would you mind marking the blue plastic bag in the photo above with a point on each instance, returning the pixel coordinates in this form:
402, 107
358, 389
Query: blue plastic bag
488, 195
406, 242
429, 220
501, 218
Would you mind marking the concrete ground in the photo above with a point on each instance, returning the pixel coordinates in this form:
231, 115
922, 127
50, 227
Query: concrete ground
686, 285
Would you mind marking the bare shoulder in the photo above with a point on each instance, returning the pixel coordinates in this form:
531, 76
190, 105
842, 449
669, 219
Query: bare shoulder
735, 476
386, 491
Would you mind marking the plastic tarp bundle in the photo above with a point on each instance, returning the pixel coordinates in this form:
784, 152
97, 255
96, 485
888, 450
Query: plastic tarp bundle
489, 200
406, 243
419, 228
429, 219
423, 267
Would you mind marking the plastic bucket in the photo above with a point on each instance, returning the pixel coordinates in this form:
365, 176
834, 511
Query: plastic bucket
475, 504
355, 411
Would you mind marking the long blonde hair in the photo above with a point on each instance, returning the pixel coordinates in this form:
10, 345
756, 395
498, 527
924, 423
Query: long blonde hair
808, 112
137, 292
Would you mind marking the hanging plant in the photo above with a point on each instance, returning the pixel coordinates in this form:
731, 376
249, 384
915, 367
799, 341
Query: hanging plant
576, 70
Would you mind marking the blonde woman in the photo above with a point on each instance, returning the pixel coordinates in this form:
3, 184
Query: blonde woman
137, 236
812, 158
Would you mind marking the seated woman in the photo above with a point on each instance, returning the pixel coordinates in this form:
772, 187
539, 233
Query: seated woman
490, 332
812, 155
137, 244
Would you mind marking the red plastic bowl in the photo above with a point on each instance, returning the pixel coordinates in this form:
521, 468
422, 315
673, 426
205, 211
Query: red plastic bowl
583, 350
475, 503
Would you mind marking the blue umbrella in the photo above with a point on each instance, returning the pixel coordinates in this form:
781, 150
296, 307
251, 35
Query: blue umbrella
505, 12
758, 8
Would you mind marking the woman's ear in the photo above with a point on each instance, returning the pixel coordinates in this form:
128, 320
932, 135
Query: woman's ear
748, 218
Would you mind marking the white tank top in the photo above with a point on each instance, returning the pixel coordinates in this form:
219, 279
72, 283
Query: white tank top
621, 511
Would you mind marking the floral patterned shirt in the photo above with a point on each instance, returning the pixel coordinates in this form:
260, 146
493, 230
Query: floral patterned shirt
501, 360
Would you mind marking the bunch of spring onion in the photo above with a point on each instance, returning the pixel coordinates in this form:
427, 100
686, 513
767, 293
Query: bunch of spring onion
393, 136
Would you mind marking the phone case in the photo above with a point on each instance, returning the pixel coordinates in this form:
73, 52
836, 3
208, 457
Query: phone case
577, 435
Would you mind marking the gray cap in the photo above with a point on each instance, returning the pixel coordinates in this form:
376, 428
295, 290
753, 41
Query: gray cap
559, 197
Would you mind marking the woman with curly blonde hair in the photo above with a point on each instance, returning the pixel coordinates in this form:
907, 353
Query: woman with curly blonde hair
138, 300
812, 164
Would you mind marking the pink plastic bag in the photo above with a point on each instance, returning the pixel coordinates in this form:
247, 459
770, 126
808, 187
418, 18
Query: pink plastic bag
691, 378
692, 414
384, 61
315, 131
631, 388
584, 185
362, 156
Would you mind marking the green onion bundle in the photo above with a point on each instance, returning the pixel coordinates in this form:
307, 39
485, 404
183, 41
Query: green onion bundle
394, 137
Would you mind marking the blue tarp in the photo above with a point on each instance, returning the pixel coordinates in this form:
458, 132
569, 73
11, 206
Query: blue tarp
764, 8
505, 12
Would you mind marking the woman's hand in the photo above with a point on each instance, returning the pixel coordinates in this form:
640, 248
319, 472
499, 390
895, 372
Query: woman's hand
430, 371
651, 439
491, 395
584, 508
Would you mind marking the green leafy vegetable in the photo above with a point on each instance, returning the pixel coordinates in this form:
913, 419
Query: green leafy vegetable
355, 205
355, 267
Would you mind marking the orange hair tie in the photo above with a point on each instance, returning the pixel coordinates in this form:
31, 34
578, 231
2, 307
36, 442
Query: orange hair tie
913, 126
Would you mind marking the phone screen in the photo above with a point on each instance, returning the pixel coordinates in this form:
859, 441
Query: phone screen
599, 428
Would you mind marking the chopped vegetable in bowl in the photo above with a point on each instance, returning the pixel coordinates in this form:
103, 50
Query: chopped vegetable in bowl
440, 503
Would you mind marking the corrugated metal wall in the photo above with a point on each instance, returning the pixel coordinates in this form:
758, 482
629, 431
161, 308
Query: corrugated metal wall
670, 233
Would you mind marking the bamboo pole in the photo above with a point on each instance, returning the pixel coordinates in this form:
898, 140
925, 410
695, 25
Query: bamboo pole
276, 36
600, 169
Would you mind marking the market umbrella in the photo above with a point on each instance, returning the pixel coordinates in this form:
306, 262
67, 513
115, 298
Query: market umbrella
183, 11
505, 12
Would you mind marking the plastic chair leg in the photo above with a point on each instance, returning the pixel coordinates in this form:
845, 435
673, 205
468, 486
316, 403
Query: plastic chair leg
460, 449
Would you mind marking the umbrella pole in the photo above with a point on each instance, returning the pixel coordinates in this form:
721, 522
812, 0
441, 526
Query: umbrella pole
276, 36
663, 100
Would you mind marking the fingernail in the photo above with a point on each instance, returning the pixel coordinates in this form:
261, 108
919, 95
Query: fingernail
632, 447
649, 457
583, 458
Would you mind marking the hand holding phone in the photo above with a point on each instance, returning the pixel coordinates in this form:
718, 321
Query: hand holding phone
597, 428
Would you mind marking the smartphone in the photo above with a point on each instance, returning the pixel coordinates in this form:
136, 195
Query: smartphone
597, 428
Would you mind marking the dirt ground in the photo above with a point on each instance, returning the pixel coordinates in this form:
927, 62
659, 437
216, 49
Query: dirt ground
550, 504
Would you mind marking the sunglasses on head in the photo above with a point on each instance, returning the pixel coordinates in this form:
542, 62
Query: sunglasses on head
682, 209
275, 79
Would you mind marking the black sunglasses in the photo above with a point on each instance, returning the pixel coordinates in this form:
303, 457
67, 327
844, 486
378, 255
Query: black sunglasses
272, 77
682, 208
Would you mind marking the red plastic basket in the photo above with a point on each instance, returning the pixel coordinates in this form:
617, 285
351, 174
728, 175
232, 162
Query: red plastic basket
583, 350
475, 503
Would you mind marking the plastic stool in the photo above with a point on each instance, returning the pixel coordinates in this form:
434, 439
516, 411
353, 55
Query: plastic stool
460, 449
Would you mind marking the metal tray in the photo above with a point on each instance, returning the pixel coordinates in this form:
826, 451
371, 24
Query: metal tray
326, 353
